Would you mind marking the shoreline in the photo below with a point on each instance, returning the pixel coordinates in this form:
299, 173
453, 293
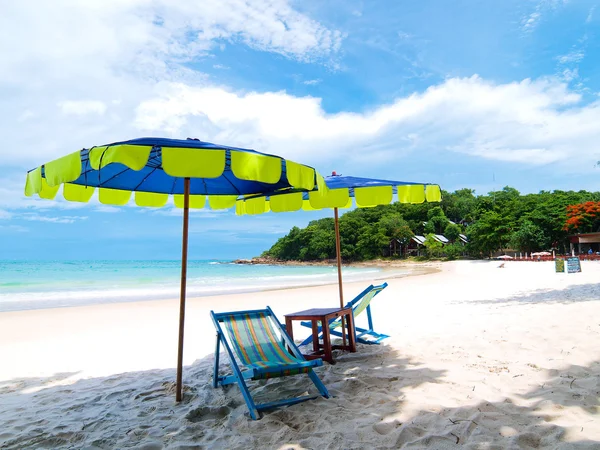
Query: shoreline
387, 272
383, 263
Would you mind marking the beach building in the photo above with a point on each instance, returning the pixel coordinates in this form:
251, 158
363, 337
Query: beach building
395, 247
440, 238
584, 242
414, 245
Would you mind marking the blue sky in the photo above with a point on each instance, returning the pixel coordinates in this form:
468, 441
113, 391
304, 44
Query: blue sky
463, 94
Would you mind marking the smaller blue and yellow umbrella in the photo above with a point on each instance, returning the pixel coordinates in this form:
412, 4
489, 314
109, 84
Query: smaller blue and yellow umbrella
367, 192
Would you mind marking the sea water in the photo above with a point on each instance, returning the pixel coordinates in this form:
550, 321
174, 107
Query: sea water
53, 284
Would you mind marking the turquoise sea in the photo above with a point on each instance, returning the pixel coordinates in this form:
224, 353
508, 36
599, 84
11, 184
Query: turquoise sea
53, 284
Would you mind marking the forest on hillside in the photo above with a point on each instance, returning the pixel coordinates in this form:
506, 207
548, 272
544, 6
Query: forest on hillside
498, 220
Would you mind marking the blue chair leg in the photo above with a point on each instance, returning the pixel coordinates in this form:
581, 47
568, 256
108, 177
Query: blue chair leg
216, 369
248, 398
309, 339
237, 373
318, 383
369, 318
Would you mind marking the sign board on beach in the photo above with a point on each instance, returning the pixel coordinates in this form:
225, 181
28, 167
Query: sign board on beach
573, 265
559, 265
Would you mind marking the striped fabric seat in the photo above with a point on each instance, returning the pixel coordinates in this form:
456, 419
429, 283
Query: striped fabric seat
259, 346
362, 302
359, 307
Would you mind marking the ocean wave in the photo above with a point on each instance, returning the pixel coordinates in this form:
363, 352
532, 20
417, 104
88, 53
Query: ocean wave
32, 286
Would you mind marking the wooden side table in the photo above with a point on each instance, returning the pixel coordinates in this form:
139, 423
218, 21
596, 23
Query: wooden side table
324, 316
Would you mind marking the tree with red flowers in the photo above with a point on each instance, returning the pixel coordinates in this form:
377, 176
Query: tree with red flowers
583, 217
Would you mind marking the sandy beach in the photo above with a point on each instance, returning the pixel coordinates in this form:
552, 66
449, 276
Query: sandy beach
480, 357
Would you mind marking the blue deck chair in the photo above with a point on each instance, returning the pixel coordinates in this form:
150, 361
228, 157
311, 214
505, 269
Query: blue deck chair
358, 305
258, 341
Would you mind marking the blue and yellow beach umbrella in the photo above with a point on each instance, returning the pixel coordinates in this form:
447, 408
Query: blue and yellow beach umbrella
193, 172
152, 169
339, 192
366, 192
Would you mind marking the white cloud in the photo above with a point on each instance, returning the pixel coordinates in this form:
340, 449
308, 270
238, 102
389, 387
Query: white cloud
243, 225
4, 215
82, 107
25, 116
590, 16
34, 217
574, 56
127, 55
570, 74
312, 82
142, 33
15, 228
172, 211
96, 60
532, 20
533, 122
107, 209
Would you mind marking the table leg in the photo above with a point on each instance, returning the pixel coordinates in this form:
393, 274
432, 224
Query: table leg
290, 331
326, 342
351, 332
315, 335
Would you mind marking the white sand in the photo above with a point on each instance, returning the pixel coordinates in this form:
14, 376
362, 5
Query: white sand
479, 356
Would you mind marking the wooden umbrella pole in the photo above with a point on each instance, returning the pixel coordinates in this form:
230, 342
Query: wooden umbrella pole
184, 256
338, 251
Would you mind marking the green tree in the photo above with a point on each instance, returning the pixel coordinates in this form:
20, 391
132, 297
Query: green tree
460, 205
395, 227
433, 247
528, 222
397, 231
429, 228
489, 234
529, 237
371, 242
453, 251
452, 232
436, 221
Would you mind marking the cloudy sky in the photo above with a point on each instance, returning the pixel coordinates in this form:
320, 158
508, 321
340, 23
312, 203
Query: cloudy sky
463, 94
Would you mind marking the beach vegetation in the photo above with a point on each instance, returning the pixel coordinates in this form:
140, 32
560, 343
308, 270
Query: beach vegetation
452, 232
493, 222
529, 237
454, 251
433, 248
583, 217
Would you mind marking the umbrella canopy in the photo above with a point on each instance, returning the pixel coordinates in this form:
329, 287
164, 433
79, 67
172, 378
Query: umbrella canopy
504, 257
154, 168
340, 190
541, 254
190, 170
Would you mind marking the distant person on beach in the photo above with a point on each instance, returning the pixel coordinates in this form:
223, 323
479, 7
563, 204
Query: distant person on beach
590, 251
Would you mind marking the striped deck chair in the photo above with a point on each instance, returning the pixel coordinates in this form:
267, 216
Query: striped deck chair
258, 342
361, 303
